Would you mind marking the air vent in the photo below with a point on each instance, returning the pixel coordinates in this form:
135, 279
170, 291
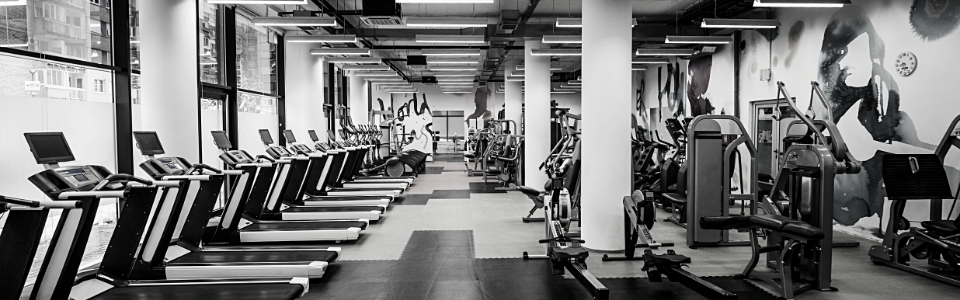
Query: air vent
429, 80
509, 21
381, 12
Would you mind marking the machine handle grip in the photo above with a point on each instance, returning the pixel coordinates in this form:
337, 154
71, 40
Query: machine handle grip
200, 167
267, 158
18, 201
121, 177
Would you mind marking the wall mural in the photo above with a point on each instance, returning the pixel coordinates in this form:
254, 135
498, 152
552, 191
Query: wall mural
934, 19
416, 121
480, 110
675, 78
698, 82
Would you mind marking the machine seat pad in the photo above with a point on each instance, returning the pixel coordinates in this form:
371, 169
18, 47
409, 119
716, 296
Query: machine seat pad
725, 223
804, 230
493, 171
672, 260
529, 191
675, 198
570, 252
469, 155
772, 222
941, 227
672, 188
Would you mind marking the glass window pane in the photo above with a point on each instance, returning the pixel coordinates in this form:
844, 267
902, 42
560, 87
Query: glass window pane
256, 57
256, 112
78, 29
134, 35
209, 50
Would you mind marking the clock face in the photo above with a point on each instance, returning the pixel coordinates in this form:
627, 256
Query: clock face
906, 63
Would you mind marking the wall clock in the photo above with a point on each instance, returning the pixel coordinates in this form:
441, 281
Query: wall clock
906, 63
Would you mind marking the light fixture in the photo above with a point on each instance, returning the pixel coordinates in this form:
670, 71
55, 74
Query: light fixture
800, 3
665, 52
446, 22
208, 63
461, 79
444, 1
295, 21
387, 79
563, 92
457, 92
340, 51
562, 39
450, 52
575, 82
365, 67
374, 73
455, 83
13, 3
135, 42
453, 68
393, 85
454, 39
257, 1
14, 45
460, 74
340, 38
578, 22
652, 60
638, 68
398, 88
518, 73
353, 60
552, 68
555, 52
740, 23
681, 39
469, 61
404, 92
564, 86
513, 78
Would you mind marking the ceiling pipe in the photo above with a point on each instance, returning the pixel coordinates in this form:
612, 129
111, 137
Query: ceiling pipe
349, 28
523, 22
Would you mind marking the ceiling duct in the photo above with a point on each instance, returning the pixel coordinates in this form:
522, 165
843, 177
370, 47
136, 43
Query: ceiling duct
509, 21
381, 12
416, 62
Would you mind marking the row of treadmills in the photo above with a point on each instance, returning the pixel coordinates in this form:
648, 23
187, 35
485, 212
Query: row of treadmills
176, 237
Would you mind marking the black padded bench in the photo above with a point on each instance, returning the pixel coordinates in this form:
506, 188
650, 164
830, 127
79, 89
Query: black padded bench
793, 233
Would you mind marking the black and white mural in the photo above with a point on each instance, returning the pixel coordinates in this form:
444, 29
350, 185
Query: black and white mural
415, 119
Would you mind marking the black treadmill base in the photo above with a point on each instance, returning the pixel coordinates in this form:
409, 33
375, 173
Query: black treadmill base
195, 292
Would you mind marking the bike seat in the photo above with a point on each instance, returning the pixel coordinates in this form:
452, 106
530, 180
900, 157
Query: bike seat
571, 252
529, 191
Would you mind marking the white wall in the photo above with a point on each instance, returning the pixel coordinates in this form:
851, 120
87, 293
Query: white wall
304, 92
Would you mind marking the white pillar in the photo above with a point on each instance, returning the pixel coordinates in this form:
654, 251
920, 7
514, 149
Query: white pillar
358, 100
170, 94
537, 114
606, 174
512, 96
304, 91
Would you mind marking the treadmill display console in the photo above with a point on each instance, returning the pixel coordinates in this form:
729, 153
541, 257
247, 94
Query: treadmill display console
278, 152
77, 176
301, 148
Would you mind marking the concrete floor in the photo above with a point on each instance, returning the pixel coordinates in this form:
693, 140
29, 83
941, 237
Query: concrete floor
498, 232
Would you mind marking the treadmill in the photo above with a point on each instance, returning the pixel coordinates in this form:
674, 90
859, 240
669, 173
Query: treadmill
331, 167
281, 201
58, 278
232, 226
360, 153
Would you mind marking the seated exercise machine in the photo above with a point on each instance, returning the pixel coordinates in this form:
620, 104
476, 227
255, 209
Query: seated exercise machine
639, 215
798, 223
563, 248
567, 145
235, 224
909, 177
115, 276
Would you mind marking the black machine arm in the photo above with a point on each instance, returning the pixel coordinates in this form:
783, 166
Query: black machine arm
201, 167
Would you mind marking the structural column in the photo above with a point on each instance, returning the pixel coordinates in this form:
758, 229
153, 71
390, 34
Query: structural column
536, 114
359, 109
606, 174
171, 95
304, 91
513, 96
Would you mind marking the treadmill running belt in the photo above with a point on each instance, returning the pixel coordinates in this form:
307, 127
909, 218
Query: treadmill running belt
279, 226
276, 291
306, 209
211, 257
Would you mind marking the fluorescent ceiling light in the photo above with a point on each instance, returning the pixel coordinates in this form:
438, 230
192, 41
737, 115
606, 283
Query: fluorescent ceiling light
665, 52
681, 39
343, 38
365, 67
450, 52
453, 68
444, 1
564, 86
740, 23
562, 39
658, 60
374, 73
14, 45
639, 68
257, 1
800, 3
578, 22
462, 74
555, 52
514, 78
13, 3
455, 39
208, 63
391, 79
446, 22
575, 82
469, 61
393, 85
563, 92
461, 79
340, 51
404, 92
518, 73
452, 92
295, 21
552, 68
353, 60
455, 83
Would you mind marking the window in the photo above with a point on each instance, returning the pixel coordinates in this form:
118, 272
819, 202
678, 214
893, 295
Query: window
98, 85
256, 57
77, 29
209, 47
